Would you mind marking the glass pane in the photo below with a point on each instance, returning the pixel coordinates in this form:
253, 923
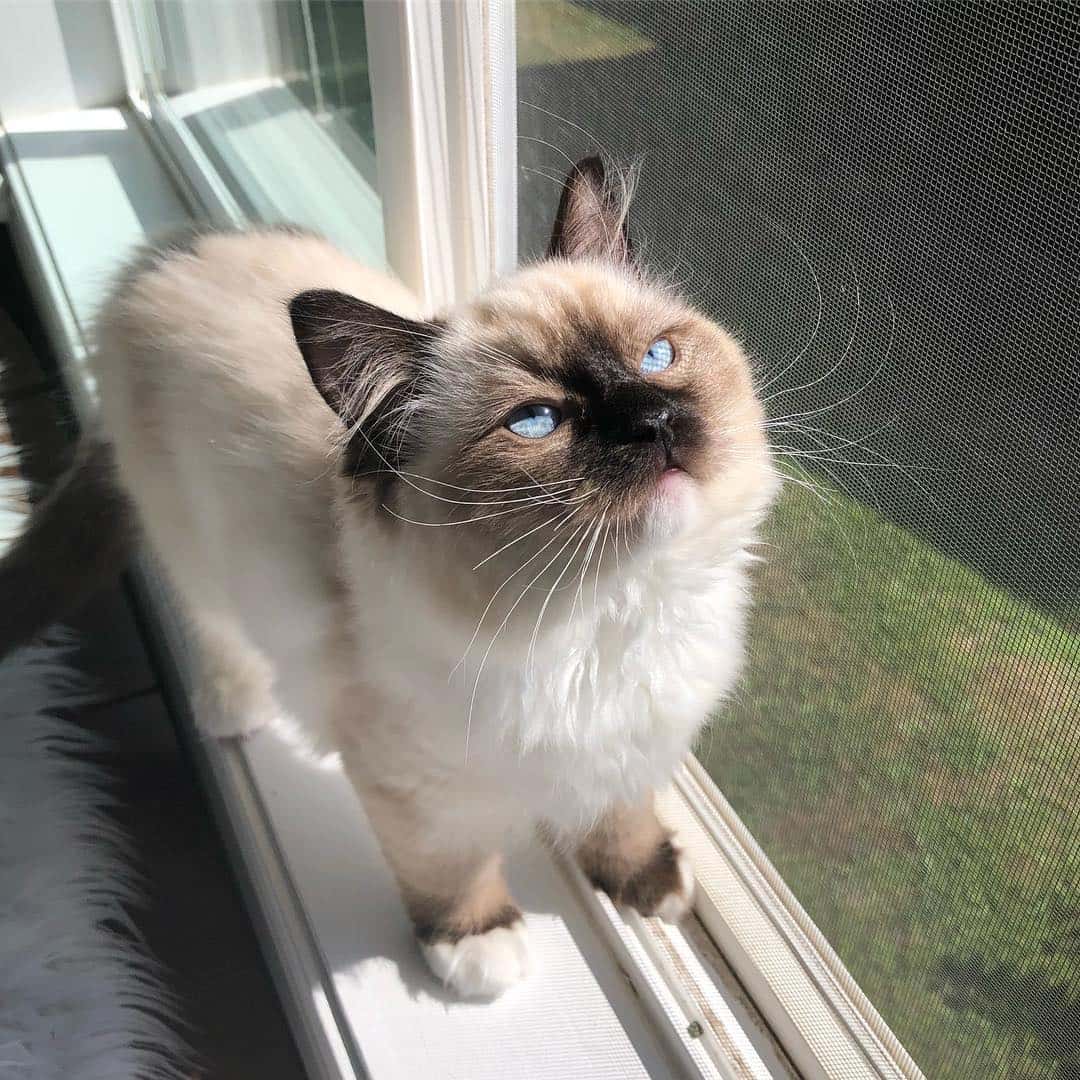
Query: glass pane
881, 201
277, 96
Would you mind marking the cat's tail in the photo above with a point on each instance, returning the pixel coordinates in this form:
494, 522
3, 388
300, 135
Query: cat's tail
77, 540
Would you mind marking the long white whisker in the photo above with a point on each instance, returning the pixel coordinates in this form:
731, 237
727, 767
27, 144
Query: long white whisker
584, 570
820, 303
541, 485
885, 462
814, 489
546, 497
855, 393
556, 526
496, 491
814, 455
506, 619
843, 356
841, 444
516, 540
474, 520
836, 520
547, 600
599, 564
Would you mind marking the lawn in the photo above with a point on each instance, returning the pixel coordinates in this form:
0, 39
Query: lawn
906, 747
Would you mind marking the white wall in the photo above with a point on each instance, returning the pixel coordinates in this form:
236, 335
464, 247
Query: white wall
208, 44
57, 54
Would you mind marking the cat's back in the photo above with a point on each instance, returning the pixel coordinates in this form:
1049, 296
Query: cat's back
221, 440
198, 331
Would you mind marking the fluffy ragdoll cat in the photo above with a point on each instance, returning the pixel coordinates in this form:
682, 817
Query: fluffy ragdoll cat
495, 559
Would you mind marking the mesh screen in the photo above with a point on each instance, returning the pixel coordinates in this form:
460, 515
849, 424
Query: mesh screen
880, 200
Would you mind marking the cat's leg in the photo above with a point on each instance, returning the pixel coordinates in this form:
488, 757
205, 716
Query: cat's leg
470, 930
236, 681
638, 863
472, 935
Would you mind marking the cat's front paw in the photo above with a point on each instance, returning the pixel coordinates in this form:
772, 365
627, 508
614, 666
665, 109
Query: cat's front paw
231, 708
481, 965
664, 886
676, 903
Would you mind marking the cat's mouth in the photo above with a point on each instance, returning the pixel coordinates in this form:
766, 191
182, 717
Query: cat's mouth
672, 505
673, 480
672, 465
674, 489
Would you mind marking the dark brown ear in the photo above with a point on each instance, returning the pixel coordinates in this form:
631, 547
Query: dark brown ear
591, 222
367, 363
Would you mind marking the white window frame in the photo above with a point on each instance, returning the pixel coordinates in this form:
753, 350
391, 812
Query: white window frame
439, 87
443, 78
193, 172
444, 97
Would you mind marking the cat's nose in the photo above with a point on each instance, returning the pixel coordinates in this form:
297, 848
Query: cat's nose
635, 415
657, 426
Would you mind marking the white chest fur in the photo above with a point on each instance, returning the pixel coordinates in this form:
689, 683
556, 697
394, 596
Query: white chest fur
604, 707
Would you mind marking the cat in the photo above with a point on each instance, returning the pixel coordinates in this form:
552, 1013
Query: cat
496, 559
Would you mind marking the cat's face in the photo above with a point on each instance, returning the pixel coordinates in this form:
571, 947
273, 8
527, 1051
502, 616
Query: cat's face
573, 394
582, 379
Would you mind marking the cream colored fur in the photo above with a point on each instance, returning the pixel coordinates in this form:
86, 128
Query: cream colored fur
312, 606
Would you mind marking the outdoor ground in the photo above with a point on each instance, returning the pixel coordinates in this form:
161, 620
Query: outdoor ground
906, 748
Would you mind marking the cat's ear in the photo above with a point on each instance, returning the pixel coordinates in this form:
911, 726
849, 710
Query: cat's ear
365, 362
355, 351
591, 222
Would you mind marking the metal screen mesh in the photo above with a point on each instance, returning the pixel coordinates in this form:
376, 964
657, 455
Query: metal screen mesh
880, 200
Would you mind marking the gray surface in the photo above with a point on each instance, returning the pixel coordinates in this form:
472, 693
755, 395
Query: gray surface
72, 60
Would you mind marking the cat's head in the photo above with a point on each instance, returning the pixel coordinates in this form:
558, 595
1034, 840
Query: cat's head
575, 393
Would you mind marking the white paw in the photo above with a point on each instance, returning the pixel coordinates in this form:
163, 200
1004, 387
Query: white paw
676, 904
482, 965
233, 708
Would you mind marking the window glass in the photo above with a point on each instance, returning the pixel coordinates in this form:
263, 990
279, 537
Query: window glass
277, 96
880, 200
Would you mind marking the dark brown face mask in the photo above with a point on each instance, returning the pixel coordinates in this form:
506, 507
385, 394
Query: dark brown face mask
575, 383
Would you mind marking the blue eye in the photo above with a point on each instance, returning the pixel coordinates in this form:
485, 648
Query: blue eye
658, 357
534, 421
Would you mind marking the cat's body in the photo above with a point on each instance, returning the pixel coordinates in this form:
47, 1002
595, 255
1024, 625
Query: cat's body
490, 640
227, 449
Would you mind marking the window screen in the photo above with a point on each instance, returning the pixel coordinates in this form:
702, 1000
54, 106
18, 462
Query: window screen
880, 200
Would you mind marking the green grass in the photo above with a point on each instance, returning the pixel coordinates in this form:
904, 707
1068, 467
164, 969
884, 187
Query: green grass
906, 747
560, 32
